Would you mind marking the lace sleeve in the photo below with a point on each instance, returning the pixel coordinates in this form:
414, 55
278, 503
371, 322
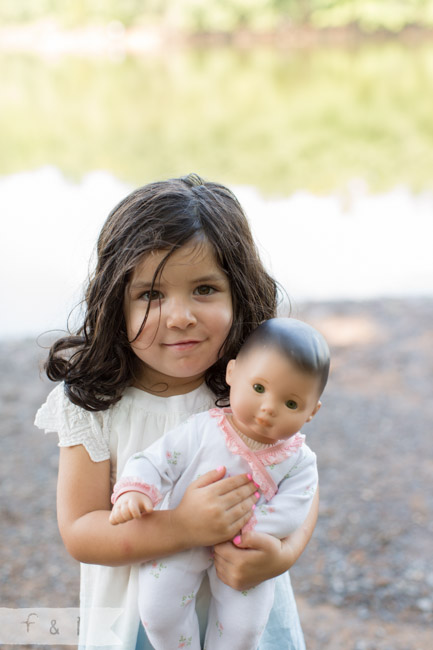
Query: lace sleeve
74, 425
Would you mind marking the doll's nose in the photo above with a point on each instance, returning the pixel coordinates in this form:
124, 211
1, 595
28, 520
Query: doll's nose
267, 407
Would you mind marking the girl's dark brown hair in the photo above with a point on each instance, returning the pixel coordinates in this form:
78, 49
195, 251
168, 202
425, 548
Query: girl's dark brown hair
97, 363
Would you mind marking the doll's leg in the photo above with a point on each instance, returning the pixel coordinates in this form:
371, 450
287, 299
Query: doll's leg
237, 618
166, 598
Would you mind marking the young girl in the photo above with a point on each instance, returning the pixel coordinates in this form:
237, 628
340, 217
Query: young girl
177, 288
275, 385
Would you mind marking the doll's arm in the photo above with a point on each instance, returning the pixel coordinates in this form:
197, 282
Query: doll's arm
289, 507
139, 489
147, 473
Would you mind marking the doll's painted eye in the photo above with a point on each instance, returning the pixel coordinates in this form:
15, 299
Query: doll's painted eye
291, 404
259, 388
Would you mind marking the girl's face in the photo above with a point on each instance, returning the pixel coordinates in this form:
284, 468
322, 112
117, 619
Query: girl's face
270, 397
189, 318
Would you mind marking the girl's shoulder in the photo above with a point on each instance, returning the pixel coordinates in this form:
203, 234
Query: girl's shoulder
74, 425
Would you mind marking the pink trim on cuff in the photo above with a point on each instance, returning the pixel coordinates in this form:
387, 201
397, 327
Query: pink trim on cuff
135, 484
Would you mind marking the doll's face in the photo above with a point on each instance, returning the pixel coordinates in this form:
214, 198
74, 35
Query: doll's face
271, 398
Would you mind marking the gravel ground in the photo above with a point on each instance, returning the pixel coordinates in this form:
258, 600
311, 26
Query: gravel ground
366, 580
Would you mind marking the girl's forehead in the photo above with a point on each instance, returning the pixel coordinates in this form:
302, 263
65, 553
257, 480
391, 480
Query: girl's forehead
192, 255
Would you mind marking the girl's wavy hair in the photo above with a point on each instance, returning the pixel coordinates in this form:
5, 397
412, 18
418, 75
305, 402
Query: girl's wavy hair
97, 362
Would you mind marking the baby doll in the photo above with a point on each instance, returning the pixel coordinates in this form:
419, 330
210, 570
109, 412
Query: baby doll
275, 385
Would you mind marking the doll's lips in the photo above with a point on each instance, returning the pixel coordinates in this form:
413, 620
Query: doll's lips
263, 422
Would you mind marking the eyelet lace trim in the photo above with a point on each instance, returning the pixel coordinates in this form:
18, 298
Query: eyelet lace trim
74, 425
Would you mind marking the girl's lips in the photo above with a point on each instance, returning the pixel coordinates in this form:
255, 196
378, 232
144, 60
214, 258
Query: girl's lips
182, 345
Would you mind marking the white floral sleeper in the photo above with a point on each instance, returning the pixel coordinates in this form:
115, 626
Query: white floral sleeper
286, 473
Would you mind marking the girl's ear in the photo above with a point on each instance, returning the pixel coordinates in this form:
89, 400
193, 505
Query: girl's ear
229, 371
316, 408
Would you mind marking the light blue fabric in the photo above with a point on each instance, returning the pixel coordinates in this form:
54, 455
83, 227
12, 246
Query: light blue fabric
283, 631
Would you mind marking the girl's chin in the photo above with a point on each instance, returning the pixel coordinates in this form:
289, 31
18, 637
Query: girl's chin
166, 385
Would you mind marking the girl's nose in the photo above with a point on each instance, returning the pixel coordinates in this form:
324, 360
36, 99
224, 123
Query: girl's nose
180, 314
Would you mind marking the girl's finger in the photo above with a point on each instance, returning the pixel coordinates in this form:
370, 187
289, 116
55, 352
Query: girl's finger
246, 495
210, 477
237, 482
241, 514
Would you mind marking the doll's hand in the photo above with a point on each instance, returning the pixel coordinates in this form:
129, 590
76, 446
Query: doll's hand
213, 509
130, 505
257, 557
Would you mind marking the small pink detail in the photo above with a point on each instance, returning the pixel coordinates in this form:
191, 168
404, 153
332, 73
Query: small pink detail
237, 539
135, 484
250, 525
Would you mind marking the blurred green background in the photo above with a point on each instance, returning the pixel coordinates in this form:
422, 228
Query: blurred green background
228, 15
279, 113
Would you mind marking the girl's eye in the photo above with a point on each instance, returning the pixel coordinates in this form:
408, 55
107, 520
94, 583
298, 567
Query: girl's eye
204, 290
259, 388
291, 404
151, 295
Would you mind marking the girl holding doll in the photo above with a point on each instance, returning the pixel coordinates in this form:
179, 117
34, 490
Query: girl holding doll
178, 286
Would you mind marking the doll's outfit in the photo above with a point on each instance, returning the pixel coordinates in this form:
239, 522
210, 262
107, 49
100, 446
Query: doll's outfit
286, 474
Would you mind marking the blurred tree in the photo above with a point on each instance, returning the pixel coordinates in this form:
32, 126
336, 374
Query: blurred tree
226, 15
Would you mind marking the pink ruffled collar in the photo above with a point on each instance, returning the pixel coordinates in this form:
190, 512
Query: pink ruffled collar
259, 459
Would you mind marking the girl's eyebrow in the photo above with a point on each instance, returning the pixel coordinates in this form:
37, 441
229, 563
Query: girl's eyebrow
212, 277
140, 284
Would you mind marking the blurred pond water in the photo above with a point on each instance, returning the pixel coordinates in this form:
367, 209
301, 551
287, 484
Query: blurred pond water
353, 246
276, 120
329, 150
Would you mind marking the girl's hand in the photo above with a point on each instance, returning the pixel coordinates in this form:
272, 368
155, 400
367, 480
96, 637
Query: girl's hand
256, 558
214, 509
130, 505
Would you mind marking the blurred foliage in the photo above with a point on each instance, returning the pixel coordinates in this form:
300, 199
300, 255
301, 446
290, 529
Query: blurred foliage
278, 120
226, 15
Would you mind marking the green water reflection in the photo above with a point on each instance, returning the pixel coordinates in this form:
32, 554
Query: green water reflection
277, 120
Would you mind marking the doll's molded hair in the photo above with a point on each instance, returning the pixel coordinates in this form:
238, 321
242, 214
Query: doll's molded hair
297, 341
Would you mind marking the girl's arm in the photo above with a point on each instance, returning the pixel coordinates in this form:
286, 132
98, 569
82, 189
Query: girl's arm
260, 557
211, 511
